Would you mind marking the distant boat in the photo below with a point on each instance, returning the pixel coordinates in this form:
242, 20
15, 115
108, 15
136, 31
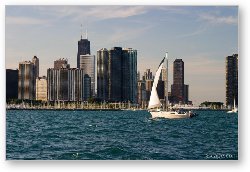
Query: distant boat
234, 110
154, 105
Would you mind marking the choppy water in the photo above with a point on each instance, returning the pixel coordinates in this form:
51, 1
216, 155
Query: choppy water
74, 135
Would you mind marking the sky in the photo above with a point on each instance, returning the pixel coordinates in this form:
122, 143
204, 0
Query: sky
202, 36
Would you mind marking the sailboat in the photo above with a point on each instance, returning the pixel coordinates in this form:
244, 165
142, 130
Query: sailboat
234, 110
154, 106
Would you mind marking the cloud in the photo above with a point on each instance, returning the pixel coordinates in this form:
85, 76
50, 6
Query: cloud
208, 20
25, 20
175, 10
216, 19
108, 12
125, 34
198, 31
93, 12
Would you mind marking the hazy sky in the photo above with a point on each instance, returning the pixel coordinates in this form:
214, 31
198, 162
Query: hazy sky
200, 35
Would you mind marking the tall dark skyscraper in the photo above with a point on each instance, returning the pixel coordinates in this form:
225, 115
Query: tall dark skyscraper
232, 80
129, 75
178, 88
179, 91
117, 74
11, 84
83, 48
102, 74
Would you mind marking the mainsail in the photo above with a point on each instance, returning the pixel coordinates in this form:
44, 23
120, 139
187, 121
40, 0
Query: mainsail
154, 98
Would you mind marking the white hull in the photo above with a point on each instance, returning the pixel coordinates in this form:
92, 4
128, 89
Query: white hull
233, 111
170, 115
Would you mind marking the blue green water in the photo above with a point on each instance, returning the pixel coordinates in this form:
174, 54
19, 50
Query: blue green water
122, 135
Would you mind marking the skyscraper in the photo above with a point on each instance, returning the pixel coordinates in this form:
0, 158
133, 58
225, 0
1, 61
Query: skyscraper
102, 74
11, 84
179, 91
116, 74
83, 48
87, 63
129, 75
27, 80
232, 80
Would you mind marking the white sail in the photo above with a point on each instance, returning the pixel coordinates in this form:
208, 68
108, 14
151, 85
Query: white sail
154, 98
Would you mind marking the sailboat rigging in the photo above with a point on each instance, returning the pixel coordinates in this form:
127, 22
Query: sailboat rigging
234, 109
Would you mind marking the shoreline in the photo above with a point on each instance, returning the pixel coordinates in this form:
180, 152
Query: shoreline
63, 109
105, 109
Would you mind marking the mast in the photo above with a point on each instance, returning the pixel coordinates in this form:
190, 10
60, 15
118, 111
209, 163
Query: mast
234, 103
166, 98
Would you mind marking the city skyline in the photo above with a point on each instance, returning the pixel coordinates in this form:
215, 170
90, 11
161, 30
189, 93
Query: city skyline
202, 36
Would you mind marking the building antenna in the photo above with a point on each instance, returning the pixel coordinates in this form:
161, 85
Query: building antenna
81, 31
86, 34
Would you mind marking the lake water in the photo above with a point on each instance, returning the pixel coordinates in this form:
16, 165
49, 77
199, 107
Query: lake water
122, 135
